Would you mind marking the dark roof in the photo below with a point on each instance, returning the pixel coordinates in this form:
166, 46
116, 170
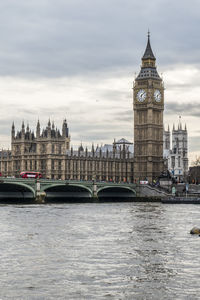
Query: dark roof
149, 70
148, 73
123, 141
148, 52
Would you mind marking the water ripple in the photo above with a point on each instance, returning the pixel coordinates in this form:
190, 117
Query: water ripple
99, 251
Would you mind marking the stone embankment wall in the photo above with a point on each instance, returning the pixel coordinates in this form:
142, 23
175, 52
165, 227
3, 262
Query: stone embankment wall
194, 188
148, 191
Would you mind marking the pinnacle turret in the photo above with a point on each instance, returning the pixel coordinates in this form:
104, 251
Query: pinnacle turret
38, 124
23, 129
13, 130
65, 130
38, 129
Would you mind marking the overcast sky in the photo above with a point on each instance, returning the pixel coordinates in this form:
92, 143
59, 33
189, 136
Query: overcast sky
78, 59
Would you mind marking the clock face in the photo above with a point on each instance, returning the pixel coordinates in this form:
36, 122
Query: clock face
141, 95
157, 96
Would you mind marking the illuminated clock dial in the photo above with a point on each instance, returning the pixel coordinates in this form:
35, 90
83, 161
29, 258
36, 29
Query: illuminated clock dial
157, 96
141, 95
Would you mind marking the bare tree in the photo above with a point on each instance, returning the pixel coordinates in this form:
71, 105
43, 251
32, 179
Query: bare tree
196, 162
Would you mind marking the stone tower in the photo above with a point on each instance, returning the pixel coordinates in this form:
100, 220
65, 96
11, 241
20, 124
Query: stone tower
180, 139
148, 104
179, 156
176, 156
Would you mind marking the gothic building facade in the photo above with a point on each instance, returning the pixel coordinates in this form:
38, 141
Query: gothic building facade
176, 154
43, 151
49, 152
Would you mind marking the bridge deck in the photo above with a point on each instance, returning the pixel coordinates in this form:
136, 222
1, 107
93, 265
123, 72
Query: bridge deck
66, 189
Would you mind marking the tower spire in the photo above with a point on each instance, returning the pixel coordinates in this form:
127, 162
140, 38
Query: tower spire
148, 54
38, 129
179, 124
13, 130
65, 130
148, 68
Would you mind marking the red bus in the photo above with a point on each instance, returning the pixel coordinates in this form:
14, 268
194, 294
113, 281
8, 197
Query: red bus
30, 175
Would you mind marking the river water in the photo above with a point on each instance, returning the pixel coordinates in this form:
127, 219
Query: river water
99, 251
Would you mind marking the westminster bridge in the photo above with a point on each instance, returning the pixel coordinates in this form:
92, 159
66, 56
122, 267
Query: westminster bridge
46, 191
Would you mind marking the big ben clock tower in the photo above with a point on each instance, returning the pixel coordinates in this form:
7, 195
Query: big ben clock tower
148, 104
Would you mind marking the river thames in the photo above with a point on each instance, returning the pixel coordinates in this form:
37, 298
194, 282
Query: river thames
99, 251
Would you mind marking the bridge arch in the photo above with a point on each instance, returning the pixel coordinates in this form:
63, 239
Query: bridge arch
16, 192
116, 193
67, 193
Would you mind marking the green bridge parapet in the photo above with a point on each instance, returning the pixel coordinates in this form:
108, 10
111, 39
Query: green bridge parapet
42, 189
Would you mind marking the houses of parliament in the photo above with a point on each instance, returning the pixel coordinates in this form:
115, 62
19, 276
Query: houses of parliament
48, 150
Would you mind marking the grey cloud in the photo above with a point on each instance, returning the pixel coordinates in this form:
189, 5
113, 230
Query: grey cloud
90, 127
113, 95
42, 112
101, 131
104, 136
44, 39
80, 129
194, 143
180, 87
124, 116
76, 37
184, 109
